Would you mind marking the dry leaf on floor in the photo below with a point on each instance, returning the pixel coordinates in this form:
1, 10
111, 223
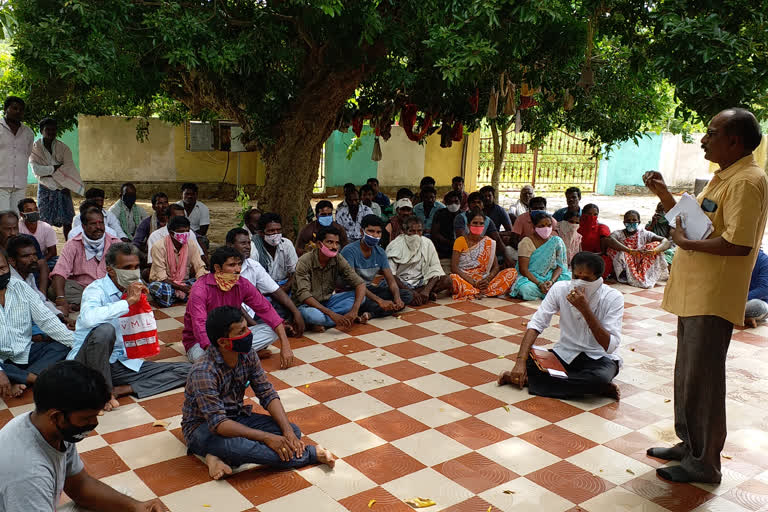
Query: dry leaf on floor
370, 503
501, 357
420, 502
667, 400
160, 423
632, 349
509, 492
658, 334
630, 472
727, 457
506, 408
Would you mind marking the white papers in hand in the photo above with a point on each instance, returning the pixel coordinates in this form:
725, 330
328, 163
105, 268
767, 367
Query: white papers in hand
696, 224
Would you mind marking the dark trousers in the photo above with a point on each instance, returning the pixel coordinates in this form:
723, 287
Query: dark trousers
236, 451
702, 346
41, 355
151, 379
586, 376
383, 292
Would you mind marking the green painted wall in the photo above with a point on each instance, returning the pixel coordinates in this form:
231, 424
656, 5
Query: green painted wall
339, 170
69, 138
626, 163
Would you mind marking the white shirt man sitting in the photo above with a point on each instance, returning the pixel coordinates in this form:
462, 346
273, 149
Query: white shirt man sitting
590, 332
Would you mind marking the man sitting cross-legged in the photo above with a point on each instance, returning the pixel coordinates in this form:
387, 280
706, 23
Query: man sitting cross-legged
590, 332
21, 359
217, 424
257, 275
225, 287
369, 259
173, 264
317, 273
416, 265
38, 457
99, 337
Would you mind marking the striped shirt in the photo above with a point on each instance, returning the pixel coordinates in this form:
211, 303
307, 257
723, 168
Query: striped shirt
22, 307
215, 392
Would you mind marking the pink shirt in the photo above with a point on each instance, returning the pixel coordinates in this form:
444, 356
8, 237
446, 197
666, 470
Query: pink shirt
45, 235
206, 296
73, 265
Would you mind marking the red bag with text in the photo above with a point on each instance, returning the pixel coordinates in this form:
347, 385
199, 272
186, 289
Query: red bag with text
139, 330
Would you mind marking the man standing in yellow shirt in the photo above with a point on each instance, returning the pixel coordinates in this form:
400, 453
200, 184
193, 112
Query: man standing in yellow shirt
708, 290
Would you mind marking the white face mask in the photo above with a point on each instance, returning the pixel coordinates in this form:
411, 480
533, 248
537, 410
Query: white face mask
273, 240
590, 287
453, 208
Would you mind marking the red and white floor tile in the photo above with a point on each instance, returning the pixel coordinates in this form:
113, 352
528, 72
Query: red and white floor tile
411, 407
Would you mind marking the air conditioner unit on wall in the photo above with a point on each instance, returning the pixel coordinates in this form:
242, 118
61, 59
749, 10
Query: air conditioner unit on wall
200, 136
216, 136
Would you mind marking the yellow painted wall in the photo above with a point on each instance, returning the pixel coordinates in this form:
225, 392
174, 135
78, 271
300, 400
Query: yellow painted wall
402, 162
442, 163
109, 151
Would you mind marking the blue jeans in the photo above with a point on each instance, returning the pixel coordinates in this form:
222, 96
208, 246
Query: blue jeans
339, 303
236, 451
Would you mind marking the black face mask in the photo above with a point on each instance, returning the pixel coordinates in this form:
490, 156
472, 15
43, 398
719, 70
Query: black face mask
31, 217
129, 201
4, 280
75, 434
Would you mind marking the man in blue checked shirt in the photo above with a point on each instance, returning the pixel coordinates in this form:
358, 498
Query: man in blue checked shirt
215, 422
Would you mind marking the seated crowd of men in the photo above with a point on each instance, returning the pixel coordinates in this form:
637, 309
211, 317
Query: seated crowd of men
259, 287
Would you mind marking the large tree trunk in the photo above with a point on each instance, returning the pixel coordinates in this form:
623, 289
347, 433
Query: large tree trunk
293, 160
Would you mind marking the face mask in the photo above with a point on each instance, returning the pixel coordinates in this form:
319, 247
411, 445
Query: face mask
413, 242
371, 241
590, 287
241, 344
31, 217
182, 238
476, 230
4, 279
273, 240
328, 253
73, 434
588, 220
129, 201
544, 232
325, 220
125, 278
225, 280
630, 226
453, 208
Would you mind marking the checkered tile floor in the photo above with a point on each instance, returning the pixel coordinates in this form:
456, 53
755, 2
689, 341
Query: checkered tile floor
411, 407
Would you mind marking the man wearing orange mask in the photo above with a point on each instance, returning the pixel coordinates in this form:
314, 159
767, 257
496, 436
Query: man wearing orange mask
223, 287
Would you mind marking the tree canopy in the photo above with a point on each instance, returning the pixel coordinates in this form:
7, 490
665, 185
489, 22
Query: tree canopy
291, 71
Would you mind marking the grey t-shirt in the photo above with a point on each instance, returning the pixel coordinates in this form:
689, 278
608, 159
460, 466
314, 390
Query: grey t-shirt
33, 472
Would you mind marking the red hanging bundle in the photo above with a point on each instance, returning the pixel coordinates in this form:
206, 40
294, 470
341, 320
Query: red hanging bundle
458, 131
408, 120
474, 101
357, 125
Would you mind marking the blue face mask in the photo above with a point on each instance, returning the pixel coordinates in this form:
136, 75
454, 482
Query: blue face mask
371, 241
631, 226
325, 220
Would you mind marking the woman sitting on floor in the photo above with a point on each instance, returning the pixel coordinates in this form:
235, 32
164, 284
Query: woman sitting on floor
637, 254
569, 232
474, 267
542, 260
594, 235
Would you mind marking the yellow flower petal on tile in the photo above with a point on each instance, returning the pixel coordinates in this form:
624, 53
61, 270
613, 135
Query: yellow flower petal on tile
506, 408
370, 503
489, 509
727, 457
509, 492
630, 472
420, 502
306, 386
667, 400
160, 423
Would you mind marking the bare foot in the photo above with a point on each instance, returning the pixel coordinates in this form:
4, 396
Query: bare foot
112, 404
363, 319
17, 390
750, 322
216, 467
316, 328
324, 456
612, 391
264, 354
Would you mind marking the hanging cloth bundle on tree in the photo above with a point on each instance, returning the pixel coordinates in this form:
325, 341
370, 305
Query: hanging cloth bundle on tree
446, 132
376, 155
474, 101
493, 104
357, 125
568, 101
526, 96
408, 120
458, 131
509, 105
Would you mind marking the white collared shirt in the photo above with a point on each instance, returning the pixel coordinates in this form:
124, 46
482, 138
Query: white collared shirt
283, 264
200, 215
257, 275
575, 335
14, 155
30, 280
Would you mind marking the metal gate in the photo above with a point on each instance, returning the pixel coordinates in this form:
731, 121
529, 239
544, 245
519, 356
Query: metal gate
560, 162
